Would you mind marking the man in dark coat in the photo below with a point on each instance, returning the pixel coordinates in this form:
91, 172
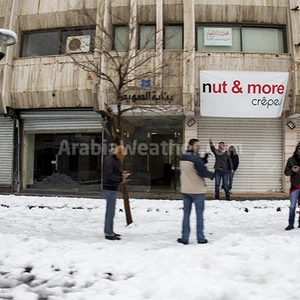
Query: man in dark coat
223, 165
112, 177
292, 170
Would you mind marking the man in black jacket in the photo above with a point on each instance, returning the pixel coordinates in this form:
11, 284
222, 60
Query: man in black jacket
292, 170
112, 177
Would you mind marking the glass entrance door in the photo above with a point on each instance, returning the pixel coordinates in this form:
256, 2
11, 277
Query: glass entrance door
155, 162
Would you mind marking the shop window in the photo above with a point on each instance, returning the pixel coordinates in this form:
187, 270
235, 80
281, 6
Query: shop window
147, 36
263, 40
173, 37
121, 38
240, 38
54, 42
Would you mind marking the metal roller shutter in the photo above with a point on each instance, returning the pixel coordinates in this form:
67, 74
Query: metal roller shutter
259, 145
6, 151
63, 121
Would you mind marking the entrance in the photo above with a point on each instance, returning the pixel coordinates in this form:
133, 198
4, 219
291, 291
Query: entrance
69, 162
154, 146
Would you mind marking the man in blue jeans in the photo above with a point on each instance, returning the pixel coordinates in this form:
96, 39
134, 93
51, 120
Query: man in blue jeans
193, 172
292, 170
223, 165
112, 177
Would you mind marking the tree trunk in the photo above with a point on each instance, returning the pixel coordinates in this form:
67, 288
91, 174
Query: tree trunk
124, 191
115, 136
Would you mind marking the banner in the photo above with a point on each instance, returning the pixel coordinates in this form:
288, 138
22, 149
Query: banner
242, 94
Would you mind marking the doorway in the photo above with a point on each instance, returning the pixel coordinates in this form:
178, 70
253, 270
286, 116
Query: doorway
154, 145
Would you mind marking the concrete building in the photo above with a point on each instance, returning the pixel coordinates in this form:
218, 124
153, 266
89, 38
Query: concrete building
54, 97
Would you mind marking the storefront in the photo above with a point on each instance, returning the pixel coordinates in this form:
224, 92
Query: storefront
244, 109
6, 152
62, 150
259, 145
154, 146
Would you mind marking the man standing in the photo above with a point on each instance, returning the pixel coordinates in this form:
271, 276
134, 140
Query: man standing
112, 177
223, 165
193, 172
292, 170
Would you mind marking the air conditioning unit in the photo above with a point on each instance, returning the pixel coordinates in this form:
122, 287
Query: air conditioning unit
78, 44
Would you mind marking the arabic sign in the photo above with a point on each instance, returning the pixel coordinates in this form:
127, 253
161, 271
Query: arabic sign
217, 36
147, 96
242, 94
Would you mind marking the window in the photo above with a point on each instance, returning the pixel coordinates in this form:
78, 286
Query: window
121, 38
147, 37
215, 39
241, 38
43, 43
173, 37
268, 40
40, 44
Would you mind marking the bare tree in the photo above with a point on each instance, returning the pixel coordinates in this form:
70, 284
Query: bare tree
122, 61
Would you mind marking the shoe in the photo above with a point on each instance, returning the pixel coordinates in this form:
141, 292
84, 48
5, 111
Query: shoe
112, 237
299, 226
116, 234
181, 241
217, 197
289, 227
228, 198
205, 241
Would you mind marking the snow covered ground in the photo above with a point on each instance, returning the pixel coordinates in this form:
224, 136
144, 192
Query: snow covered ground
53, 248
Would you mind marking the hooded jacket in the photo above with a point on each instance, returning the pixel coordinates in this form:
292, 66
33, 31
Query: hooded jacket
294, 176
112, 176
223, 161
193, 172
234, 158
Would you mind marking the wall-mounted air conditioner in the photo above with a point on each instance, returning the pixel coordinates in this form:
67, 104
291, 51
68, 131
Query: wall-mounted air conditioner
77, 44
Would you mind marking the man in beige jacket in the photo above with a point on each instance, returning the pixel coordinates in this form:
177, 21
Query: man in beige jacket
193, 172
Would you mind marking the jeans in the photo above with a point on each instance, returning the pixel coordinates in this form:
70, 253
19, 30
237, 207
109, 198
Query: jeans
224, 175
230, 176
188, 200
293, 205
111, 198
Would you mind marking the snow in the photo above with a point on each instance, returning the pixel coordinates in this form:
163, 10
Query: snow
53, 248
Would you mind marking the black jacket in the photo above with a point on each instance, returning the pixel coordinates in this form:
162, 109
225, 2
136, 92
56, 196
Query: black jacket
235, 161
223, 160
295, 177
112, 176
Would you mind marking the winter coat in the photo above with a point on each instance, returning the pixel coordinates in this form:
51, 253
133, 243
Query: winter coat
192, 173
235, 161
112, 176
294, 177
223, 161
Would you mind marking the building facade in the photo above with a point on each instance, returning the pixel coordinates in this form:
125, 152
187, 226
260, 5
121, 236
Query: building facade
58, 84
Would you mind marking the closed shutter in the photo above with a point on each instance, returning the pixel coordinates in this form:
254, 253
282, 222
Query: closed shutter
6, 151
259, 146
62, 121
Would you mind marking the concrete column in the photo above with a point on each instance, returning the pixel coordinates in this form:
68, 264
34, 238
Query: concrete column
11, 23
189, 58
189, 132
159, 40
